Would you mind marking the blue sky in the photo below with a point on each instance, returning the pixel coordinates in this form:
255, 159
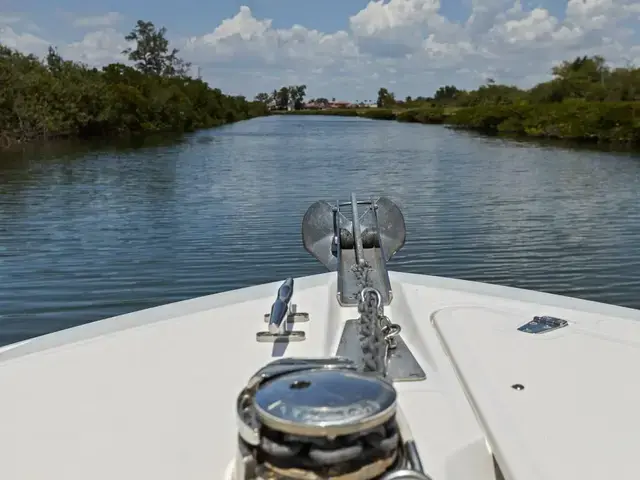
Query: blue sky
198, 16
347, 48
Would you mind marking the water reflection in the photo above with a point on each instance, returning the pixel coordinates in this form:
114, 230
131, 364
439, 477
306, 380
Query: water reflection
102, 230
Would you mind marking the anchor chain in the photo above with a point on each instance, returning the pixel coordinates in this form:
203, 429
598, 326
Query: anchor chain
377, 333
381, 449
291, 455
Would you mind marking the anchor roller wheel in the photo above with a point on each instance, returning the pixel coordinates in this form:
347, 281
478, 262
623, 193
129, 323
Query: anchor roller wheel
371, 237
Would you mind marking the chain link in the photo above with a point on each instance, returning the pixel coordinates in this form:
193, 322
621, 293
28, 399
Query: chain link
291, 456
377, 333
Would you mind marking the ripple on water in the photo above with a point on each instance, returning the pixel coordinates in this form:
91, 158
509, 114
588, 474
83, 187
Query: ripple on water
90, 234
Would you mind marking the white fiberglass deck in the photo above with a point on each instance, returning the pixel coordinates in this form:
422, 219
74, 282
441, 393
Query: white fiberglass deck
151, 395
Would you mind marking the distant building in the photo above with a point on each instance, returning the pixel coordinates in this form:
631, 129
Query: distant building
314, 106
340, 105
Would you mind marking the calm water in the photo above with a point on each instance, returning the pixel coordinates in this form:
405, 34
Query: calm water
90, 234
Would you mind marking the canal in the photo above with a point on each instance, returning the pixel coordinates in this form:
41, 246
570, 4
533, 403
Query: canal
87, 233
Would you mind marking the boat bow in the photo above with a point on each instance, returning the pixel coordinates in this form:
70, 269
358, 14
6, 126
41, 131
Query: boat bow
272, 381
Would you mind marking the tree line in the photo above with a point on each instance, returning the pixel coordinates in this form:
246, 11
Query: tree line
584, 78
54, 97
585, 100
291, 97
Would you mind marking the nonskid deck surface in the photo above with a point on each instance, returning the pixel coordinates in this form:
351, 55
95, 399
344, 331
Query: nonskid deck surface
152, 394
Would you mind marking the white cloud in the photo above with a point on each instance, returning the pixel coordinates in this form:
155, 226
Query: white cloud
409, 44
97, 48
94, 21
24, 41
248, 41
8, 18
379, 17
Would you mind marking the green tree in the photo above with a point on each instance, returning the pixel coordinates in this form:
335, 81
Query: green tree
296, 95
263, 97
586, 78
282, 98
594, 68
447, 93
151, 54
54, 60
52, 97
385, 98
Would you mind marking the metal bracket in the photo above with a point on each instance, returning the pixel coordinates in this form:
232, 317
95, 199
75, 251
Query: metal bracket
282, 315
287, 336
285, 333
543, 324
402, 366
293, 316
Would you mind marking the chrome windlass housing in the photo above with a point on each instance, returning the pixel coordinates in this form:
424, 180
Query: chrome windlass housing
248, 424
316, 418
324, 402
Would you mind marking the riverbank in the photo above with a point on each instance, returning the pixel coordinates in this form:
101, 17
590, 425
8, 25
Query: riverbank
600, 122
94, 232
58, 99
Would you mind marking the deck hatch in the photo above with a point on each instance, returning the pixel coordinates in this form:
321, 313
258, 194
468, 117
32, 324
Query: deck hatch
543, 324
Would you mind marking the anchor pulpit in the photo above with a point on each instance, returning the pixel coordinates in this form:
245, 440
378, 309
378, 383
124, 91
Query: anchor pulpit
357, 247
340, 244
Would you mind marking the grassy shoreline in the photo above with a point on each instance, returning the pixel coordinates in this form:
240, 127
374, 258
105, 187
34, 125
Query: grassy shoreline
593, 122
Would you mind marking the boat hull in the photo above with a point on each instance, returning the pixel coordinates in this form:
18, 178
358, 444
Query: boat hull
151, 394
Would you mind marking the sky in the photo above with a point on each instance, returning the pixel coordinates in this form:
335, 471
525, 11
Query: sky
345, 49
